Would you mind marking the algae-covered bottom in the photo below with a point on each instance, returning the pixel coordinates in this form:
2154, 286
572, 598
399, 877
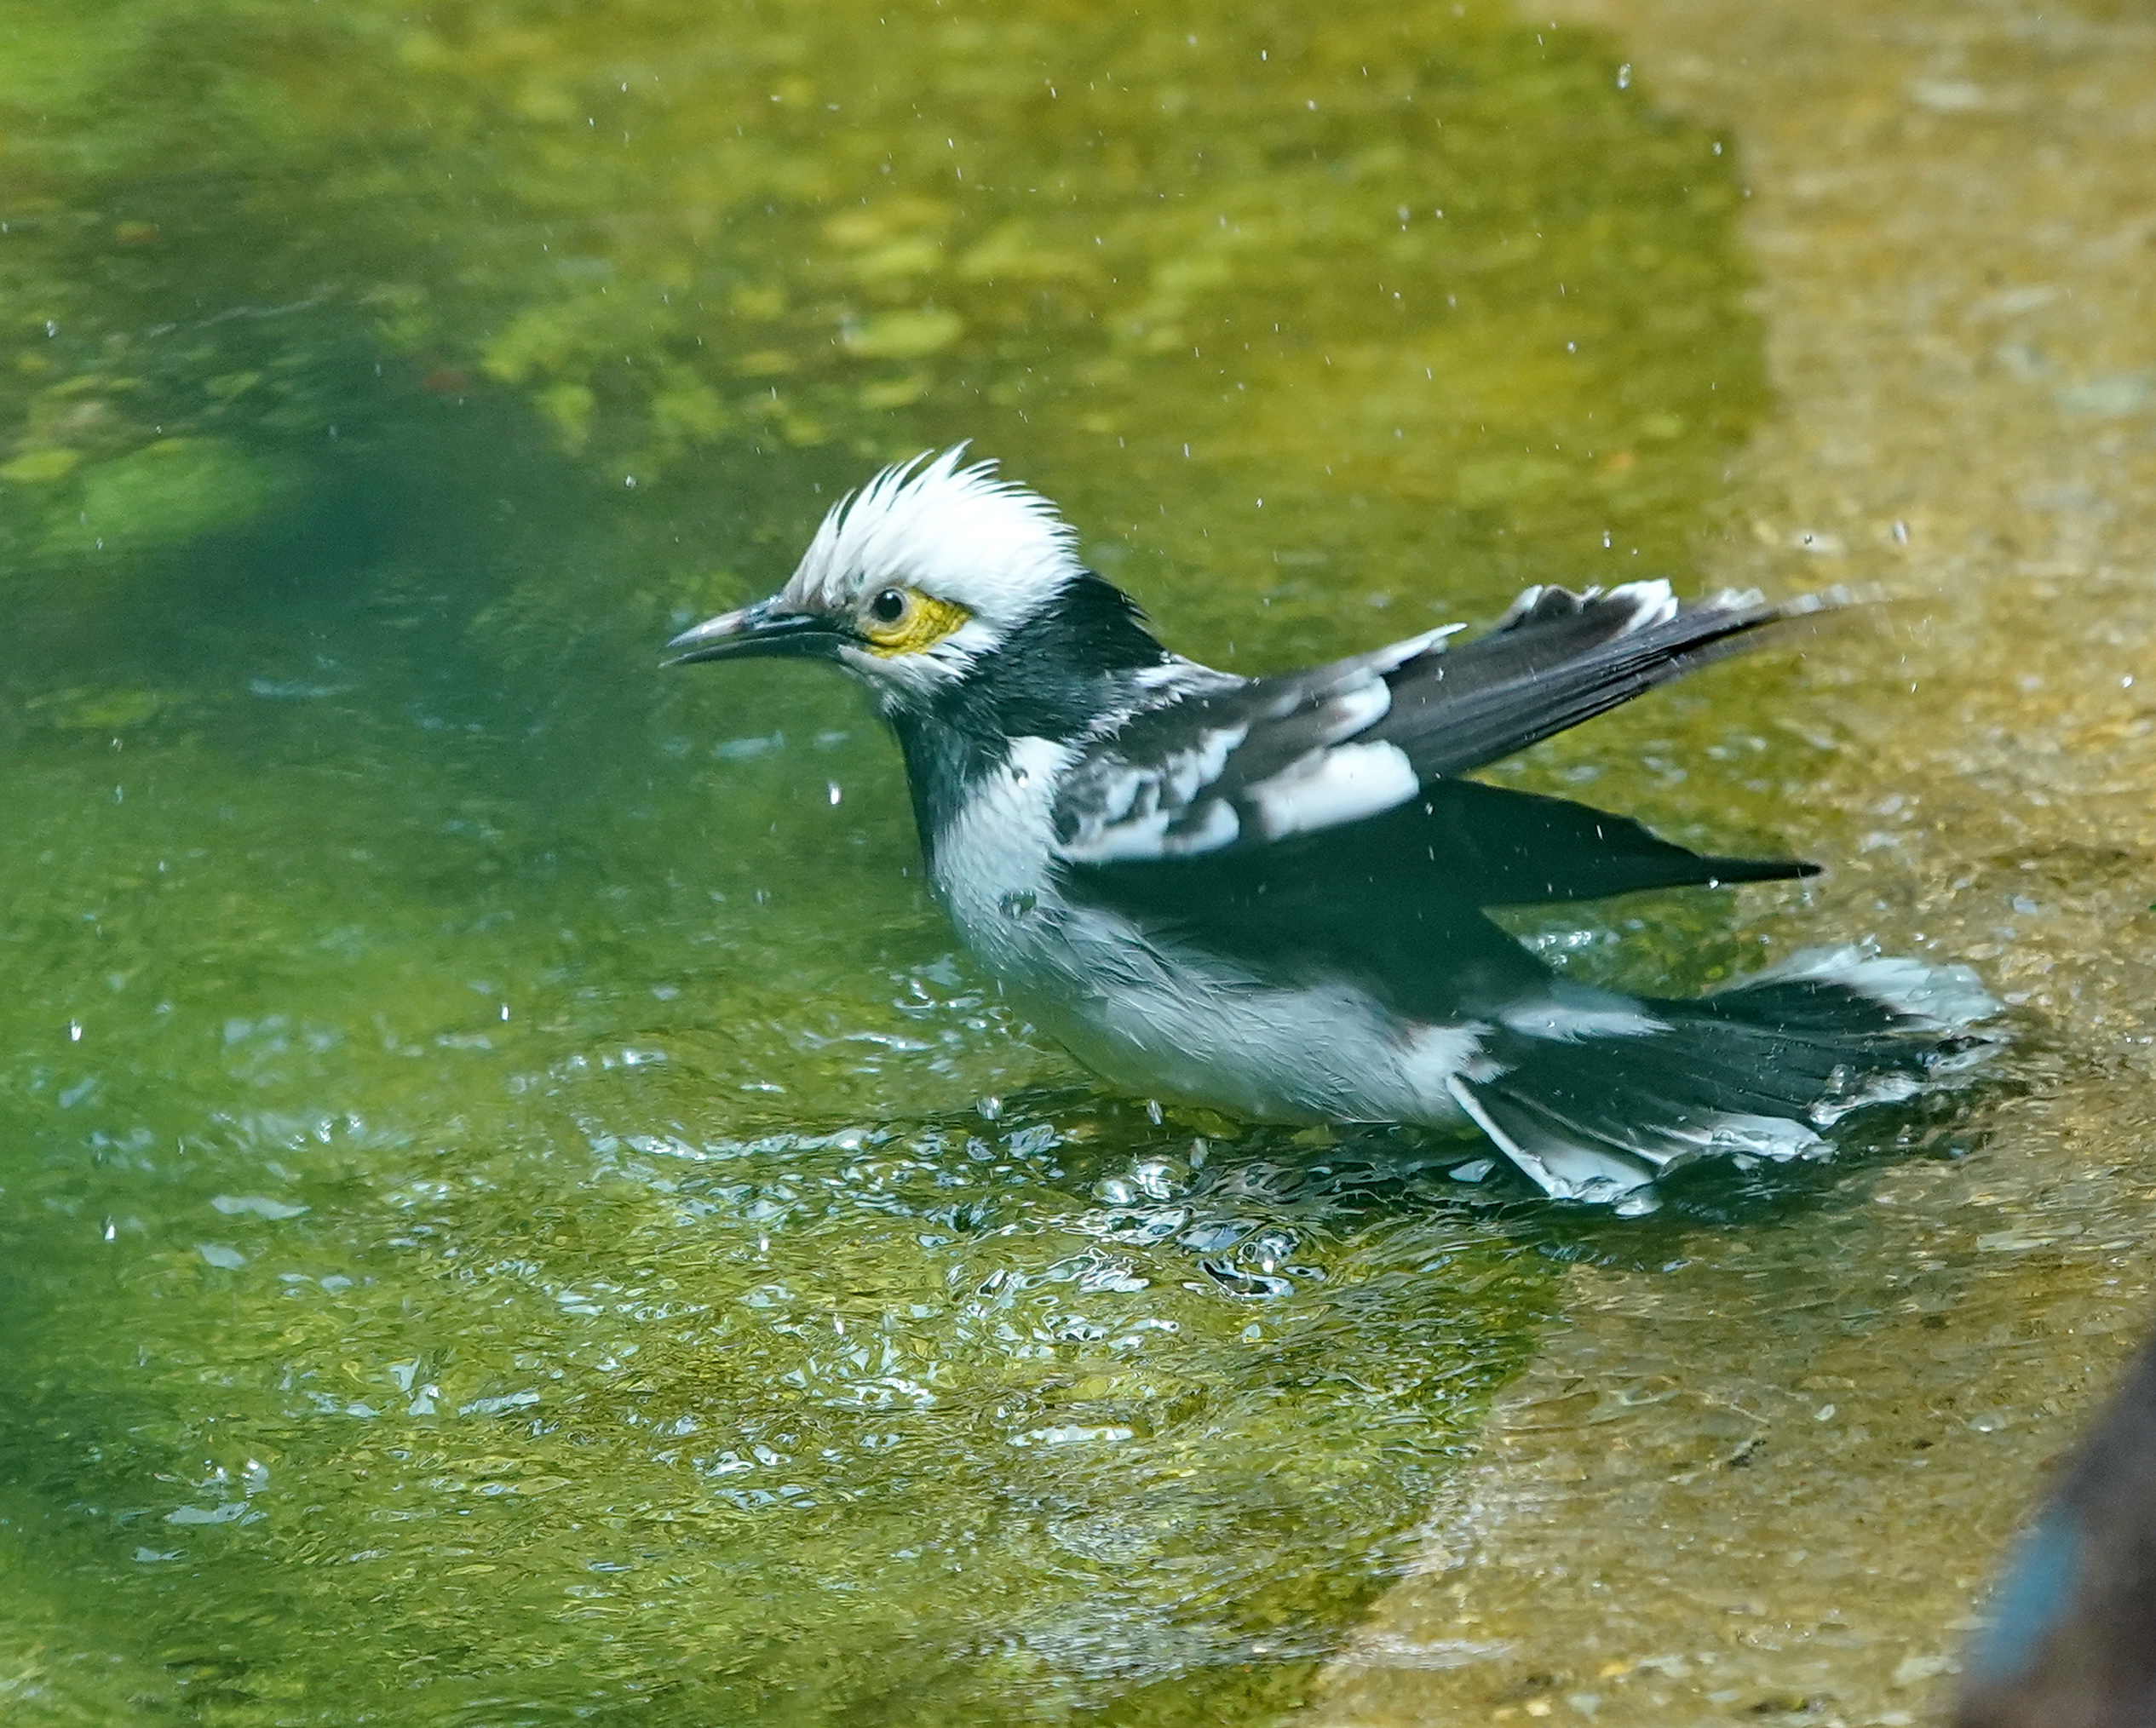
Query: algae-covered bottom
510, 1210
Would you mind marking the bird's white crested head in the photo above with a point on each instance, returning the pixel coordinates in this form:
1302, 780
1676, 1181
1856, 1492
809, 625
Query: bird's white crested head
936, 563
958, 534
921, 578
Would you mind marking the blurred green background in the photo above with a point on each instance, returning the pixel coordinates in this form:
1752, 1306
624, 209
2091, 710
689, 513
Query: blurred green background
511, 1209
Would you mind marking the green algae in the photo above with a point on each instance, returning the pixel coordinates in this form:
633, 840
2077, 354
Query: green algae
171, 493
707, 1303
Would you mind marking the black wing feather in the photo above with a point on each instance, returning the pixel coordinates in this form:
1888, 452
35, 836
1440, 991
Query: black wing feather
1179, 766
1397, 899
1558, 659
1167, 820
1491, 846
1234, 764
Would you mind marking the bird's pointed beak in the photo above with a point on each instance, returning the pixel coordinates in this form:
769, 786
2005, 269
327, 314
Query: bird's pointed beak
764, 629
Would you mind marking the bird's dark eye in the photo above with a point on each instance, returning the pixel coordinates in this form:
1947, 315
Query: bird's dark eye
887, 607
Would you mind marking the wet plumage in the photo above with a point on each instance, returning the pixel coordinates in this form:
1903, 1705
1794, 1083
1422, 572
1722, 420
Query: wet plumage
1268, 896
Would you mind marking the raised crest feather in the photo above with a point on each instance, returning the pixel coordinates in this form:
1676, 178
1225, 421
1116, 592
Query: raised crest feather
952, 528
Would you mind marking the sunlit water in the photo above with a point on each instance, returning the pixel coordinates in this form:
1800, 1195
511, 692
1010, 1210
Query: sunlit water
513, 1208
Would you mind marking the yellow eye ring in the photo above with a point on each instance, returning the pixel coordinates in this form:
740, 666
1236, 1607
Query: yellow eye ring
905, 620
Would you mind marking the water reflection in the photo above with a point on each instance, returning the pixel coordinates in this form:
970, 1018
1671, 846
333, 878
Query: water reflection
1056, 1393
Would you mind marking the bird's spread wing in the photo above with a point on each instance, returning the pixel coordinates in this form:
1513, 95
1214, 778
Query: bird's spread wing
1237, 763
1557, 658
1343, 775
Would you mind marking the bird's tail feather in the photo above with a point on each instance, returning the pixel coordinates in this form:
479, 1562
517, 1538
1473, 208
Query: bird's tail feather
1594, 1106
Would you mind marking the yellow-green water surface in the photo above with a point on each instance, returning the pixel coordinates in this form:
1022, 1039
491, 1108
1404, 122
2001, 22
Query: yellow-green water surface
511, 1210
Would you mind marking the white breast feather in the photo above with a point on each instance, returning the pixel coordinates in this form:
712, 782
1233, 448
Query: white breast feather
1161, 1019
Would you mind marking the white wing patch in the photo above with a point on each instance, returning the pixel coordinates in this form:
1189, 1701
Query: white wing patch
1148, 811
1203, 761
1159, 834
1327, 788
1283, 762
1357, 707
1395, 655
1652, 602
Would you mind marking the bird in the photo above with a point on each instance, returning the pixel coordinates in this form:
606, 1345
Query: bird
1267, 897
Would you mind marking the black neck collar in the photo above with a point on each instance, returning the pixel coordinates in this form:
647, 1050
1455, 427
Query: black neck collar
1052, 678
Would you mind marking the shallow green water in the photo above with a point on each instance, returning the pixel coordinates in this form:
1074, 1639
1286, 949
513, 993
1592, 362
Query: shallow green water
510, 1208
